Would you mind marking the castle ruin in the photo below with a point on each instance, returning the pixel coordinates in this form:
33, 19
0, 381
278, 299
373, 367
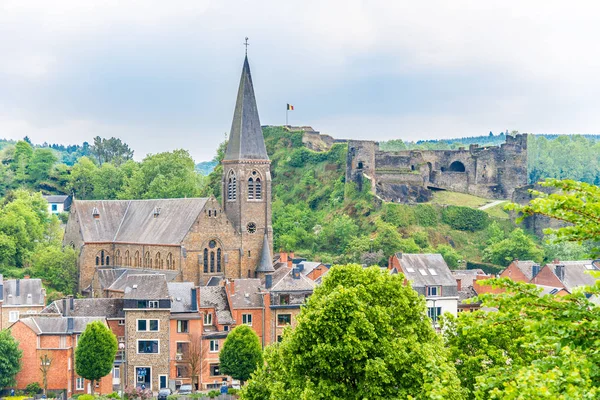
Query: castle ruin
409, 176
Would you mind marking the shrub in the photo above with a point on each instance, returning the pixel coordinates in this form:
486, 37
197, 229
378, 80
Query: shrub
214, 393
113, 395
421, 239
173, 397
233, 392
33, 388
86, 397
426, 215
465, 218
398, 215
449, 254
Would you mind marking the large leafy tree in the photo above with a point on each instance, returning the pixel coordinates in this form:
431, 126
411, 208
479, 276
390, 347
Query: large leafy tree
95, 352
10, 359
532, 347
363, 334
241, 354
82, 178
517, 245
111, 150
40, 165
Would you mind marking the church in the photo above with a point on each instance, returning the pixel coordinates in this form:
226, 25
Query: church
192, 239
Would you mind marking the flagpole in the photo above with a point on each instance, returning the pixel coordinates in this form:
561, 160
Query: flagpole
286, 115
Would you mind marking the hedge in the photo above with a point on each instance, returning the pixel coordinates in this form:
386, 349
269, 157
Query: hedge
465, 218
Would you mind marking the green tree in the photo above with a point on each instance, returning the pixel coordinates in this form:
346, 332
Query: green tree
108, 182
241, 354
83, 175
362, 335
38, 169
22, 155
450, 255
516, 246
57, 267
95, 352
111, 150
10, 359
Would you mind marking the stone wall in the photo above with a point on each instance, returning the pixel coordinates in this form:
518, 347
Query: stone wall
408, 176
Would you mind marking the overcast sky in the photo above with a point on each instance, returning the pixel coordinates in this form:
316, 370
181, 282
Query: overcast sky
163, 75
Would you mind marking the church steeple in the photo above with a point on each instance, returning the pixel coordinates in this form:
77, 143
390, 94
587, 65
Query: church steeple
246, 140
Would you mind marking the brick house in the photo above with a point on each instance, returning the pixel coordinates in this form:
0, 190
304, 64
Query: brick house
55, 337
19, 297
147, 307
195, 238
567, 275
521, 271
430, 277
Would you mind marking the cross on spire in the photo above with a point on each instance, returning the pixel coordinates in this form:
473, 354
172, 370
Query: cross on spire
246, 44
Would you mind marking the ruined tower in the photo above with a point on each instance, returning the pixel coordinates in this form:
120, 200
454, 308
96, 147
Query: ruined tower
247, 182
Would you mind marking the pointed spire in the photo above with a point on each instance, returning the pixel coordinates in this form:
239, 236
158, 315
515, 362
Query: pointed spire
266, 261
246, 140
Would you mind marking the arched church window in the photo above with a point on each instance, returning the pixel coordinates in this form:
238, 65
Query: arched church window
127, 260
231, 186
157, 261
170, 264
118, 257
137, 259
257, 189
212, 261
205, 261
97, 260
218, 260
107, 260
147, 260
250, 188
102, 257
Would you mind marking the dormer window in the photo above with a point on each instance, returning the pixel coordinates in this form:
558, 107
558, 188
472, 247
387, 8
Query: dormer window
95, 213
156, 212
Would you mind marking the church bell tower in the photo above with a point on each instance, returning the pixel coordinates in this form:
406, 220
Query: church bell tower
246, 185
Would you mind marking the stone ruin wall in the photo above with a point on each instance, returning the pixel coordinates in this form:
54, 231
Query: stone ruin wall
411, 175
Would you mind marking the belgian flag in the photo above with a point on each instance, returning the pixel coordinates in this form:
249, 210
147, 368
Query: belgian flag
290, 107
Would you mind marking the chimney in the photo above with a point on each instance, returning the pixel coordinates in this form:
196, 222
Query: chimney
295, 273
283, 257
268, 281
459, 284
232, 286
26, 277
71, 303
18, 290
65, 310
560, 272
70, 325
300, 267
194, 299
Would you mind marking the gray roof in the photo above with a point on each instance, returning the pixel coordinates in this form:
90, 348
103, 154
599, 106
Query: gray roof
266, 261
216, 297
133, 221
526, 267
58, 325
466, 293
577, 273
181, 296
30, 291
146, 287
90, 307
426, 270
309, 266
467, 276
246, 294
289, 284
56, 198
246, 140
115, 279
549, 289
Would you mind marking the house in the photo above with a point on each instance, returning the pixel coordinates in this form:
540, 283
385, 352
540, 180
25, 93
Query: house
568, 275
521, 271
50, 342
430, 277
467, 286
289, 289
197, 238
147, 307
19, 297
58, 203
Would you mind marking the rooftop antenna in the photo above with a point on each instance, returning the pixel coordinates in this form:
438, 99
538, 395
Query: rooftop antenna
246, 44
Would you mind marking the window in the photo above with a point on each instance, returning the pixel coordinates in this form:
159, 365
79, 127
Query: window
13, 316
284, 319
158, 262
102, 258
257, 189
208, 319
181, 371
182, 348
182, 326
121, 322
433, 291
218, 260
79, 384
127, 259
54, 207
147, 260
279, 338
170, 264
212, 262
284, 299
226, 328
205, 261
215, 370
152, 303
117, 372
147, 346
250, 189
214, 346
231, 187
142, 325
247, 319
434, 313
118, 257
137, 259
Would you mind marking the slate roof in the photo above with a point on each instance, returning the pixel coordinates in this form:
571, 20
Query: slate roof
426, 270
90, 307
115, 279
577, 273
181, 296
247, 294
466, 293
146, 287
289, 284
526, 267
58, 325
246, 140
309, 266
56, 198
266, 261
133, 221
216, 297
27, 287
467, 276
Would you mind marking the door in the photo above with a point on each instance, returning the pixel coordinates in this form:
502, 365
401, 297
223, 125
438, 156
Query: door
143, 377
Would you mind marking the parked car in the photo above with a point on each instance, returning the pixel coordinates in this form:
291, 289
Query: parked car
185, 389
163, 394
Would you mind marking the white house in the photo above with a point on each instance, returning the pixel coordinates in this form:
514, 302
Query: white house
58, 203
